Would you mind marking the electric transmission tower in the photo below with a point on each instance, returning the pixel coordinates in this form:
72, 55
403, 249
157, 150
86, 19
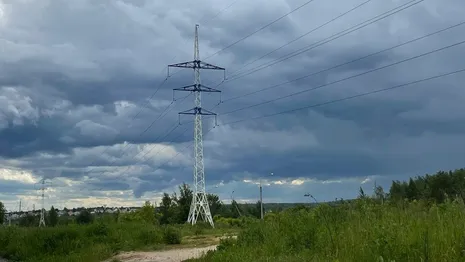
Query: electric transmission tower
42, 210
199, 205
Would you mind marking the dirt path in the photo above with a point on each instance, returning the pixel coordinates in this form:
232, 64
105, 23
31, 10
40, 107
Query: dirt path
173, 255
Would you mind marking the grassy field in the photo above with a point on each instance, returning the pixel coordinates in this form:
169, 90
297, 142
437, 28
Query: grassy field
98, 241
359, 231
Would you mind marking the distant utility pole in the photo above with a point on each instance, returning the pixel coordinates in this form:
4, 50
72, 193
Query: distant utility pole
261, 199
199, 205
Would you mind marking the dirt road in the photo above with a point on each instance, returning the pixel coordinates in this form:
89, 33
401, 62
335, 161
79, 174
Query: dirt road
173, 255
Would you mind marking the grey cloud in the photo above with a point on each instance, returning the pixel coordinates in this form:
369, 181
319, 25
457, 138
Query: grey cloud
70, 91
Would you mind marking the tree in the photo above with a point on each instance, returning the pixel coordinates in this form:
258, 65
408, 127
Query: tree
2, 213
184, 202
165, 208
379, 193
29, 220
361, 193
412, 191
52, 217
235, 209
214, 203
84, 217
397, 190
147, 213
255, 211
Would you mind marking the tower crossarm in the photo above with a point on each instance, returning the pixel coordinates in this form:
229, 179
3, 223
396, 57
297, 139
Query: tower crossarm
197, 111
196, 64
197, 88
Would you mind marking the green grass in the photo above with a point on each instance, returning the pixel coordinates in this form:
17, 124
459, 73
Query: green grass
93, 242
98, 241
358, 231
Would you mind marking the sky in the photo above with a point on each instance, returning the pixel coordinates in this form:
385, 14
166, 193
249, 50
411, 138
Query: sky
86, 101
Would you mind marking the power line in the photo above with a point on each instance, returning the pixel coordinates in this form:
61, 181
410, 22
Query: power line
349, 62
208, 20
350, 77
318, 105
260, 29
164, 112
166, 79
303, 35
349, 97
168, 76
330, 102
171, 130
219, 12
158, 152
137, 114
328, 39
199, 206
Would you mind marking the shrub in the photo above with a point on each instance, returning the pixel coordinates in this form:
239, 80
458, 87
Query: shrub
150, 237
98, 230
172, 235
84, 217
226, 243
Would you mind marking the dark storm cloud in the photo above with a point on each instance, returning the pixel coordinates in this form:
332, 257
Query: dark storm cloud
93, 56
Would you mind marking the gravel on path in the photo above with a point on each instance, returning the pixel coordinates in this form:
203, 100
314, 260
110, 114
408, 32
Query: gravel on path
173, 255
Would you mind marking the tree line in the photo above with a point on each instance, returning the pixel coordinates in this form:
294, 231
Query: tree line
174, 208
437, 187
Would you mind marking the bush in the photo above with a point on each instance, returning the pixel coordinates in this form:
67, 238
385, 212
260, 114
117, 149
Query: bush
150, 237
98, 230
74, 243
172, 235
84, 217
226, 243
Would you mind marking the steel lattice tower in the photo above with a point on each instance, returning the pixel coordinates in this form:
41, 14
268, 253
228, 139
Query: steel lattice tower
42, 211
199, 205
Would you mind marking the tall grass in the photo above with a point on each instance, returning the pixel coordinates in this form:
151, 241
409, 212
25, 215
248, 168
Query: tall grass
94, 242
362, 230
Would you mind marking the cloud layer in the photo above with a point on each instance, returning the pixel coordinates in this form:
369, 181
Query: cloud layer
86, 103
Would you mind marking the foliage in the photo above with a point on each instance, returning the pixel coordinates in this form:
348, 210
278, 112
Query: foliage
84, 217
174, 208
147, 213
438, 187
419, 220
172, 235
87, 242
2, 213
29, 220
96, 241
361, 230
52, 217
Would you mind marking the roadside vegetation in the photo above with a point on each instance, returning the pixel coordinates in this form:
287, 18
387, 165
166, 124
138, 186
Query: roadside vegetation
88, 237
419, 220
